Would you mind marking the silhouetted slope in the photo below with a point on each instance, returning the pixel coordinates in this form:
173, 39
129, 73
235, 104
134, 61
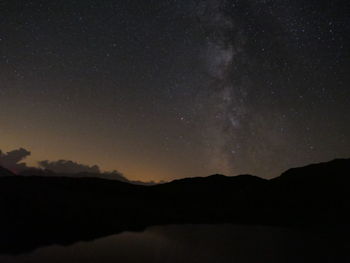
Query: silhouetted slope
336, 170
109, 176
37, 210
314, 193
5, 172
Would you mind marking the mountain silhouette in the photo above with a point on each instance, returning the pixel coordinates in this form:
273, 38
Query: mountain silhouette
44, 210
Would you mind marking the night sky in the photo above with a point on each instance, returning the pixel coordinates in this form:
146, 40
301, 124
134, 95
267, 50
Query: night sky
164, 89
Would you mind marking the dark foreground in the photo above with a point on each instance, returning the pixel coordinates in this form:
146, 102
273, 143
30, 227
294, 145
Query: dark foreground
39, 211
222, 243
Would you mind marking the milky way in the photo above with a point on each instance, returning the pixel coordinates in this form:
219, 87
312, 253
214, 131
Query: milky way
273, 67
164, 89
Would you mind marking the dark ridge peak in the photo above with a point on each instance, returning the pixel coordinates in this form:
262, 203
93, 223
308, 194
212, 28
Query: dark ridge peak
248, 177
214, 177
240, 177
5, 172
217, 178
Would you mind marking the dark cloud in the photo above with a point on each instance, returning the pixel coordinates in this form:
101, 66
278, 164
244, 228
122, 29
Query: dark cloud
68, 167
12, 160
74, 169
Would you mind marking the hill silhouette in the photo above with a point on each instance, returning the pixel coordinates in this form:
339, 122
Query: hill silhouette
43, 210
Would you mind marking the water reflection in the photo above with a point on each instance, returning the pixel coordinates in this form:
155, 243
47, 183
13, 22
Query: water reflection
195, 243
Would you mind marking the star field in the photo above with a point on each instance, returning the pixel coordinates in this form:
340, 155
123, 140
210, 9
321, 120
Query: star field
167, 89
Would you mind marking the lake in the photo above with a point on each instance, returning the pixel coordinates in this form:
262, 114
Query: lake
196, 243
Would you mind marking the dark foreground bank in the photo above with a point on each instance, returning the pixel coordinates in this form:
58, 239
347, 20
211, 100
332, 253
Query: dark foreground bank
38, 210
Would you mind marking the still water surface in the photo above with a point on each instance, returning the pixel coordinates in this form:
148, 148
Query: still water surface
195, 243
